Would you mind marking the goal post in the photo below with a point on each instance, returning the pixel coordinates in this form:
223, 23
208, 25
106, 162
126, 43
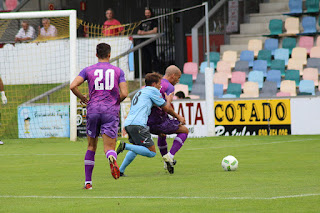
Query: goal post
71, 14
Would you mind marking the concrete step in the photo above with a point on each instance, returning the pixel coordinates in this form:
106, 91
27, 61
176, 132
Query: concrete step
244, 39
265, 17
281, 7
236, 47
254, 28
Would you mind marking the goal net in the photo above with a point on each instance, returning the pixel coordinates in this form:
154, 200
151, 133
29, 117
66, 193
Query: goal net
36, 73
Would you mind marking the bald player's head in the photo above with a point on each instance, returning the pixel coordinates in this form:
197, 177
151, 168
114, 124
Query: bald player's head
173, 74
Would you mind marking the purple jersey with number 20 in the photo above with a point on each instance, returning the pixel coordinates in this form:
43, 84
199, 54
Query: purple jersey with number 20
103, 82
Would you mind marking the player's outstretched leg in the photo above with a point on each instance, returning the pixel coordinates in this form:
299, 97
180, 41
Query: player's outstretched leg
120, 146
177, 144
112, 158
88, 168
130, 156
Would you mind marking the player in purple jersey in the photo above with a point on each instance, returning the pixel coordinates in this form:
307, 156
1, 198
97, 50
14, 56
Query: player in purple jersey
161, 124
107, 88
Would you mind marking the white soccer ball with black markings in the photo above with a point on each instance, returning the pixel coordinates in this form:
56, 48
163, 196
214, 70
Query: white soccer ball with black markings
229, 163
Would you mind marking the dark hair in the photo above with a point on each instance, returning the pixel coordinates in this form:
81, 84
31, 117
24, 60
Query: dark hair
181, 95
152, 78
103, 50
110, 10
148, 8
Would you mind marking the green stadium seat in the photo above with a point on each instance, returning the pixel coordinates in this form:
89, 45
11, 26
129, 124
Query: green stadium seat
265, 55
289, 43
234, 89
187, 80
293, 75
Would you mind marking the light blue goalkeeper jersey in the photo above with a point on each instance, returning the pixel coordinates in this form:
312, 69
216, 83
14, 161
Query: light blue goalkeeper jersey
141, 105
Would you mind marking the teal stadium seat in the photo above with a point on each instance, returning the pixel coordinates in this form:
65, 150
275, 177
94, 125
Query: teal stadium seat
289, 43
214, 57
234, 89
265, 55
187, 80
312, 6
278, 65
293, 75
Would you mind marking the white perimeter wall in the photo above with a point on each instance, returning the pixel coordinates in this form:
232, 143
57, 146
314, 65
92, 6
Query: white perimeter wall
305, 116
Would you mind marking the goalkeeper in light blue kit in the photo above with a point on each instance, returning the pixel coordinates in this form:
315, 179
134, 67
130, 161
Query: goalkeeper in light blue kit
136, 122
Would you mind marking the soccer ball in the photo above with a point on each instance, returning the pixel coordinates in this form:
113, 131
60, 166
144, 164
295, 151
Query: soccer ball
229, 163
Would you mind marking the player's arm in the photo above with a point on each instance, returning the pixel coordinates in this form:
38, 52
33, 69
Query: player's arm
74, 88
168, 108
123, 90
153, 31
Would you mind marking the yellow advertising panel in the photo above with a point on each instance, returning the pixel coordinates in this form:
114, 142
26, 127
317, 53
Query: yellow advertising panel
253, 112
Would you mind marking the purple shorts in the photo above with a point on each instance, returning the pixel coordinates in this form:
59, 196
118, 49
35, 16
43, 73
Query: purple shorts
164, 125
104, 123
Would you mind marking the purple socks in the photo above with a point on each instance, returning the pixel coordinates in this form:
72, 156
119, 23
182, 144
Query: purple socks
162, 144
178, 142
88, 165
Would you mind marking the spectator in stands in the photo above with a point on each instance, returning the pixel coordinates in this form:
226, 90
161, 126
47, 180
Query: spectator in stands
180, 95
48, 30
25, 33
149, 56
112, 26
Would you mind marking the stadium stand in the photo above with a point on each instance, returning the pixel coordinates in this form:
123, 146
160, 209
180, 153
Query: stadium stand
255, 45
256, 76
289, 43
250, 90
309, 25
224, 66
269, 89
260, 65
242, 66
230, 56
192, 69
274, 76
278, 65
282, 54
234, 89
288, 86
306, 42
221, 78
307, 86
265, 55
311, 74
238, 77
312, 6
295, 65
293, 75
271, 44
292, 26
247, 55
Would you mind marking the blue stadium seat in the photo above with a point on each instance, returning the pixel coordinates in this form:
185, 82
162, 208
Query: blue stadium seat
295, 7
256, 76
218, 90
260, 65
282, 54
309, 25
271, 44
203, 66
229, 96
274, 76
247, 55
314, 63
307, 86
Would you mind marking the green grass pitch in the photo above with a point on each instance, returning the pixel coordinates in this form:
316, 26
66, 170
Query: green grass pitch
275, 174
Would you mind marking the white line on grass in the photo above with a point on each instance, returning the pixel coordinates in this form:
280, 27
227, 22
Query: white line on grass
159, 197
255, 144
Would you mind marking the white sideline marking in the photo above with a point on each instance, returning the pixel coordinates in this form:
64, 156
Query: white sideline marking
214, 147
255, 144
158, 197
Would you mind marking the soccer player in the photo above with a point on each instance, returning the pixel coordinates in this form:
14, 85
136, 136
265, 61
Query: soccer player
136, 122
3, 98
160, 124
104, 81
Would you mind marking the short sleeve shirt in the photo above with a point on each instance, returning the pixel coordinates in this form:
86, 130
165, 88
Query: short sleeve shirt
148, 25
30, 33
103, 82
141, 105
51, 31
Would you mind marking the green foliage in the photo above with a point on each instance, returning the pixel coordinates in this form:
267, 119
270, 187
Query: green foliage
270, 167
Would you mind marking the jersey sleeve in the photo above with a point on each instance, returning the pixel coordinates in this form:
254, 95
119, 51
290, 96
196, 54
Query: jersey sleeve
122, 76
157, 99
83, 74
